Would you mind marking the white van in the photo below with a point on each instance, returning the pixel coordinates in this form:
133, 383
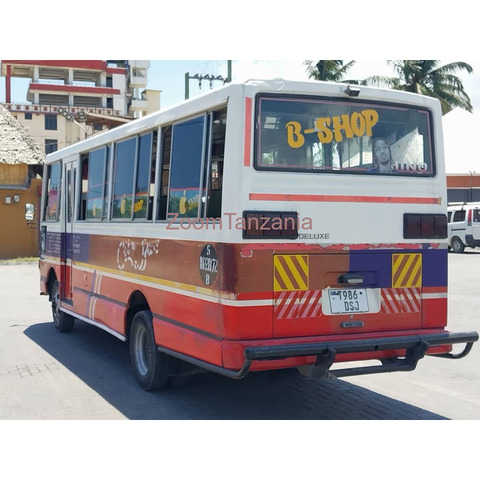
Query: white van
463, 226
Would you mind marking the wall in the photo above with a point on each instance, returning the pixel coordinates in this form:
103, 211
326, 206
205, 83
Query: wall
16, 239
463, 187
66, 133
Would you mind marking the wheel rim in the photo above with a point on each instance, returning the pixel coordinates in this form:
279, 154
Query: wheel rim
142, 351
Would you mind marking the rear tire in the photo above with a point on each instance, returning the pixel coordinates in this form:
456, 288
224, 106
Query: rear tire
457, 245
149, 365
63, 321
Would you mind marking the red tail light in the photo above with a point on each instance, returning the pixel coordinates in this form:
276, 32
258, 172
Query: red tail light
424, 225
469, 220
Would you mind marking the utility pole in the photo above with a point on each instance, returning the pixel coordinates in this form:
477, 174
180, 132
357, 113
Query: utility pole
208, 77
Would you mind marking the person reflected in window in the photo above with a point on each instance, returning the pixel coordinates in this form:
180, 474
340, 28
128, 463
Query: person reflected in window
382, 156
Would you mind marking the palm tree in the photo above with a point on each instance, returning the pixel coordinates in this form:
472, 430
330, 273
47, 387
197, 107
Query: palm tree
428, 77
327, 70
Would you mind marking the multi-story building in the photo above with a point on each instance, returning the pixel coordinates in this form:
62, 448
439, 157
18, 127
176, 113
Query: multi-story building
68, 100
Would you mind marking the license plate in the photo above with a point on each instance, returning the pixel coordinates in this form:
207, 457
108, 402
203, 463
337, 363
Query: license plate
348, 300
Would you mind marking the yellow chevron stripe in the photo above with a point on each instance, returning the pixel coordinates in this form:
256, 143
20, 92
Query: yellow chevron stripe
406, 270
287, 275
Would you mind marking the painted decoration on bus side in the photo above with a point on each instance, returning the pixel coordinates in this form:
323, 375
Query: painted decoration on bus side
357, 124
208, 264
129, 254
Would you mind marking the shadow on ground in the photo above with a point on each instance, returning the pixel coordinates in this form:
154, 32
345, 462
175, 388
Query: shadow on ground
102, 362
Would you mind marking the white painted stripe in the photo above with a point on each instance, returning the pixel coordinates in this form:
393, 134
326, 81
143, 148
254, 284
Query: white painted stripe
95, 323
433, 296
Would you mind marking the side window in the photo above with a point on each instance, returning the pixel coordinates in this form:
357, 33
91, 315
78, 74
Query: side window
476, 215
145, 178
164, 173
93, 185
459, 216
190, 181
124, 170
52, 200
186, 167
215, 172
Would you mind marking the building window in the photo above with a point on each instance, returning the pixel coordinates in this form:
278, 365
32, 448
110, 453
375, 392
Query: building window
51, 145
50, 122
28, 116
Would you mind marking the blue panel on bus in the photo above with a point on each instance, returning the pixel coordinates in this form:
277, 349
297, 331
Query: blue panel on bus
435, 272
376, 266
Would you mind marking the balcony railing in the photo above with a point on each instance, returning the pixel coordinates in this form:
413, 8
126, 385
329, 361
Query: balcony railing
31, 108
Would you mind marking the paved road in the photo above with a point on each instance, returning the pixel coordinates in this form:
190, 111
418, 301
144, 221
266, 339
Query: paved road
86, 374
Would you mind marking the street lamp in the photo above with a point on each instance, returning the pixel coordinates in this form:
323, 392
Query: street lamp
69, 117
210, 78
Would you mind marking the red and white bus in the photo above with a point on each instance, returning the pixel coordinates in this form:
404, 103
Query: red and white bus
263, 225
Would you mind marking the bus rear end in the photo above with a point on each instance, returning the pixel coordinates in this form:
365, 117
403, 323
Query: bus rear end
343, 253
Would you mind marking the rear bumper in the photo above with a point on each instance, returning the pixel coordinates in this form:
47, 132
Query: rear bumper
415, 346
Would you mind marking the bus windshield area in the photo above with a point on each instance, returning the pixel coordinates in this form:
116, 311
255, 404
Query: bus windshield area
304, 134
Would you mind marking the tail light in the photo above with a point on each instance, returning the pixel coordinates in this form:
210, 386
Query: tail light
270, 225
424, 225
469, 220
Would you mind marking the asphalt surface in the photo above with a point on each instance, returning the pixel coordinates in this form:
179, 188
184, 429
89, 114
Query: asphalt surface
86, 373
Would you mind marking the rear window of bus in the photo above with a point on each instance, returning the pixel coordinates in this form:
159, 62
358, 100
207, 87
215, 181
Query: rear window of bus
325, 135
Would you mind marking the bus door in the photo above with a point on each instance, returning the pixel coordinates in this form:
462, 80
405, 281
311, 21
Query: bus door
70, 174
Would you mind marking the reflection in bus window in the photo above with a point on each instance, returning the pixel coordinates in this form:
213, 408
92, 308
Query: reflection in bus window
339, 136
93, 185
124, 169
164, 173
187, 152
145, 178
52, 203
215, 174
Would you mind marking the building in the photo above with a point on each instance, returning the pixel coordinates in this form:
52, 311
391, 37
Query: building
21, 162
463, 187
66, 101
71, 99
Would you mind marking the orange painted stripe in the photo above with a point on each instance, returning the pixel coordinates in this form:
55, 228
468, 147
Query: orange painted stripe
287, 197
248, 132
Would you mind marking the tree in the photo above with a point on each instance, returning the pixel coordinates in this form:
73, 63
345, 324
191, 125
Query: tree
327, 70
428, 77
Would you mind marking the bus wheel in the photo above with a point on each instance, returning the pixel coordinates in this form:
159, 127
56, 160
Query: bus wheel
457, 245
63, 321
149, 365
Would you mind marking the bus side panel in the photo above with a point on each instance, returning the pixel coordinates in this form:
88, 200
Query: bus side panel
45, 265
434, 292
188, 341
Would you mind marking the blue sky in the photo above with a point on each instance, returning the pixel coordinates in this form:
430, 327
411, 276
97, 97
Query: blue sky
460, 127
169, 76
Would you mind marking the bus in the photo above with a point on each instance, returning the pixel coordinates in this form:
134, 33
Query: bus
264, 225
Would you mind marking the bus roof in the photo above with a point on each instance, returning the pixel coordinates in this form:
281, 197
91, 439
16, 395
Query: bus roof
219, 96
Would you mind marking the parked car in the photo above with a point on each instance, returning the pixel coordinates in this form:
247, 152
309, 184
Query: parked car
463, 226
